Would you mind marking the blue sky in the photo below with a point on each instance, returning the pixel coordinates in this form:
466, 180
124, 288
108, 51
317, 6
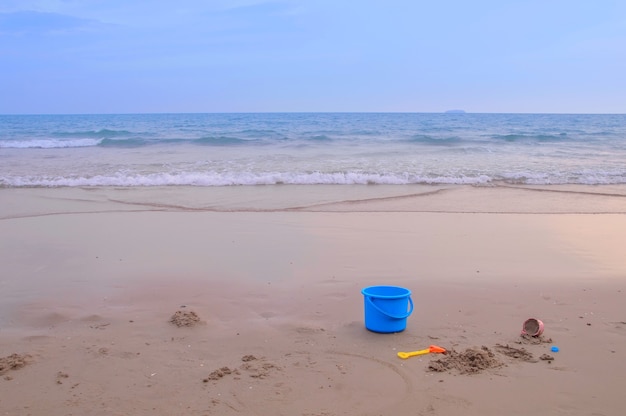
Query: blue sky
122, 56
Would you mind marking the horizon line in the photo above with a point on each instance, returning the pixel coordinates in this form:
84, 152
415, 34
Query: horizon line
447, 112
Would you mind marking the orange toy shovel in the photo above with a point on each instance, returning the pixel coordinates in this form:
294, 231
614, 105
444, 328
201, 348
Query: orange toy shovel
432, 348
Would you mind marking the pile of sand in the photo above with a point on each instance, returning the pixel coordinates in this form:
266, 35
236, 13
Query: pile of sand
475, 360
185, 318
470, 361
13, 362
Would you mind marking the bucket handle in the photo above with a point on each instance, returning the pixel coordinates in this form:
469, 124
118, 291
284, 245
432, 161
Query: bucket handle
369, 299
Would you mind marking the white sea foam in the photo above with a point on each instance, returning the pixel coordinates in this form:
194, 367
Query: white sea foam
272, 178
48, 143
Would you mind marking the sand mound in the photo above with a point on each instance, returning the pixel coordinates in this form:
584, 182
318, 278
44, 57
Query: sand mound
185, 318
13, 362
470, 361
474, 360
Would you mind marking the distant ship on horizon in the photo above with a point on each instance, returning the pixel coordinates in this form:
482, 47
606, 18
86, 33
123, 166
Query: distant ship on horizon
455, 112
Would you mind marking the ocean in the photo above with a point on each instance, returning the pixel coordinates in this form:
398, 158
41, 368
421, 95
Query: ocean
131, 150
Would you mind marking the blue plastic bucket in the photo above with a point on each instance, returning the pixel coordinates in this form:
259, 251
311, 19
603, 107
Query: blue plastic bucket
386, 308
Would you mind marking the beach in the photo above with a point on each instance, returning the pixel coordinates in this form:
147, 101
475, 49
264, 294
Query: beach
267, 280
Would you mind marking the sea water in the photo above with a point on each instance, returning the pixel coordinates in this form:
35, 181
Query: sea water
310, 148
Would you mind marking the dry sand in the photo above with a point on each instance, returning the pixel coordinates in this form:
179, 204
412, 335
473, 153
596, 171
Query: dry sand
246, 300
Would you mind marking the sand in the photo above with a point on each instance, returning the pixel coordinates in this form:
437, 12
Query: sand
247, 300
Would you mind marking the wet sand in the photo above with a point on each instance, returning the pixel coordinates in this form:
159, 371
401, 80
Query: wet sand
263, 285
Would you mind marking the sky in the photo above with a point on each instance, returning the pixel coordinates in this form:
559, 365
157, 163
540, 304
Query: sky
122, 56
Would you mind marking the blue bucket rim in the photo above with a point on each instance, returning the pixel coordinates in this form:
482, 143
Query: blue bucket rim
404, 295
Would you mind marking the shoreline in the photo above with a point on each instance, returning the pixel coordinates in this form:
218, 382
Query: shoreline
497, 198
92, 277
